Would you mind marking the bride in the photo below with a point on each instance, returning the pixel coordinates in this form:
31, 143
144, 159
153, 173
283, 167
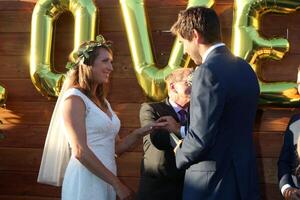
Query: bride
84, 119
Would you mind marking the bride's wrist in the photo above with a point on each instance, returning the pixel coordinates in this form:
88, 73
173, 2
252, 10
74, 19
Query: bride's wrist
116, 183
138, 133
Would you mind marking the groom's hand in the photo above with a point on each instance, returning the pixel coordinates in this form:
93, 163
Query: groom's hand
170, 124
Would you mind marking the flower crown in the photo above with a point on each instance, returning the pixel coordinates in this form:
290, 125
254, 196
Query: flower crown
83, 52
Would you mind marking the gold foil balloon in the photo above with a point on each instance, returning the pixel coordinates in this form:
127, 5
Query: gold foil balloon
3, 96
150, 78
43, 75
248, 44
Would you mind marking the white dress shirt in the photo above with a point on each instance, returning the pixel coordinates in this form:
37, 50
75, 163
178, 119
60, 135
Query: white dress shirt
177, 108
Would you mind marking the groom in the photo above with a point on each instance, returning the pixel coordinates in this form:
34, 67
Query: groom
217, 150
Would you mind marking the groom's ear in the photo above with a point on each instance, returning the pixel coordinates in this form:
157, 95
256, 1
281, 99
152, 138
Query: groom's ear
197, 37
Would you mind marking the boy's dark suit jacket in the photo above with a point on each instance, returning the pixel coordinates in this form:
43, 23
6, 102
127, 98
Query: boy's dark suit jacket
288, 159
160, 179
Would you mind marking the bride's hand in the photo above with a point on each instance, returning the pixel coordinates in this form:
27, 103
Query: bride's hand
123, 192
149, 127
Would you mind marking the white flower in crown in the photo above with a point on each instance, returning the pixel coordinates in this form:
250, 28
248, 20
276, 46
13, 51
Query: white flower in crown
190, 79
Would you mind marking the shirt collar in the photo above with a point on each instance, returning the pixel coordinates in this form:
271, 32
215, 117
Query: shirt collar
175, 106
210, 49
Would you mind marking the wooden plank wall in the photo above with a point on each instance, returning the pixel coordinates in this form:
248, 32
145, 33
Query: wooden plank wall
27, 114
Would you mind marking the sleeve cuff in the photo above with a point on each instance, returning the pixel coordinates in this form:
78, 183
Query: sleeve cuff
182, 131
286, 186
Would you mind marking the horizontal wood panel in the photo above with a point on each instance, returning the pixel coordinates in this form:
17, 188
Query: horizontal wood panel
39, 113
26, 159
220, 6
267, 170
37, 135
22, 90
32, 136
267, 119
19, 43
129, 88
24, 183
20, 159
17, 5
129, 172
282, 70
13, 197
23, 136
273, 119
128, 114
16, 45
110, 18
129, 164
27, 113
268, 144
270, 192
35, 138
14, 67
119, 88
28, 5
12, 21
17, 67
283, 21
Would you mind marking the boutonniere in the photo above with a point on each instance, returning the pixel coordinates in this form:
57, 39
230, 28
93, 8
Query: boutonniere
190, 79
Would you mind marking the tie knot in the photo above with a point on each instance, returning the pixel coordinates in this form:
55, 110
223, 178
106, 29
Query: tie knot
182, 113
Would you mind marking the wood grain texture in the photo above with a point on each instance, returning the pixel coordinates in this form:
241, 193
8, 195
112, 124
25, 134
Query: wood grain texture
28, 160
27, 116
21, 197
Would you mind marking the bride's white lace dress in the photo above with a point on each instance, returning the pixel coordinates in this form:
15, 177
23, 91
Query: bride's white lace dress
79, 183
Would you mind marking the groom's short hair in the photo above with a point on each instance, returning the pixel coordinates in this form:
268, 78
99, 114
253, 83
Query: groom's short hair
202, 19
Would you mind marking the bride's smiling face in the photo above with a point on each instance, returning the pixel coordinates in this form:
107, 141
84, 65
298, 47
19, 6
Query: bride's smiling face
102, 66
